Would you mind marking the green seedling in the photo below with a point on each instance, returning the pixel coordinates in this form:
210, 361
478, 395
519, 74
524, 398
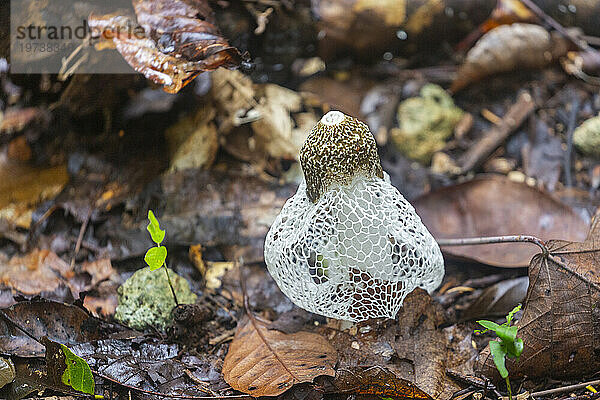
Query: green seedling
156, 256
508, 345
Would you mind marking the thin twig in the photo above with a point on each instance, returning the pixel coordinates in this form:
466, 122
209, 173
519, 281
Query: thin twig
563, 389
492, 139
80, 237
582, 44
570, 129
494, 240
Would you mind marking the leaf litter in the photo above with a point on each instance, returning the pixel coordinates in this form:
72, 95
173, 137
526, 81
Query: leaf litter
226, 178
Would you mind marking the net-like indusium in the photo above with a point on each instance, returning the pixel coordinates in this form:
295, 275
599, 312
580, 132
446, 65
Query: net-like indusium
354, 251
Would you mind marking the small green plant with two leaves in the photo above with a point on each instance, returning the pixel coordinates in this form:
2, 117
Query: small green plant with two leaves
156, 256
508, 345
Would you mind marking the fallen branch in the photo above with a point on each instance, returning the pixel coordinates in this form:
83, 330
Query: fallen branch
493, 138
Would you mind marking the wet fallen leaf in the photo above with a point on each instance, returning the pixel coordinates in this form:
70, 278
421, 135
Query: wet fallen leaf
263, 362
66, 371
491, 206
507, 48
150, 364
560, 325
58, 321
180, 41
376, 381
498, 299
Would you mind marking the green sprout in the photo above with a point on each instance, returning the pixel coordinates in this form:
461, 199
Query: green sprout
156, 256
508, 345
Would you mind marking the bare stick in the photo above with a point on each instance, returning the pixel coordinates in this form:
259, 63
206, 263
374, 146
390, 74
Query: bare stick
563, 389
570, 129
493, 138
494, 240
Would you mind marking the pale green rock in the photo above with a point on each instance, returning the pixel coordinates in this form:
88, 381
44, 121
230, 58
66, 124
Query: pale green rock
146, 300
425, 123
587, 137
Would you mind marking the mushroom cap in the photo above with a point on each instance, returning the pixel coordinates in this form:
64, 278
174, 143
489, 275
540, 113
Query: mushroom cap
348, 245
337, 148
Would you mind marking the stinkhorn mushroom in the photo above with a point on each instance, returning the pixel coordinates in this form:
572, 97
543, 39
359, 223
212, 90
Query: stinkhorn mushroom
348, 245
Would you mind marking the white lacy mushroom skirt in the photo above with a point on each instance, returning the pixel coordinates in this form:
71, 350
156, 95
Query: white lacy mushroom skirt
355, 254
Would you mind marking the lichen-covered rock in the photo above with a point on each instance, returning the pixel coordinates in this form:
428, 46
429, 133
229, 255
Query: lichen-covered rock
587, 137
425, 123
146, 300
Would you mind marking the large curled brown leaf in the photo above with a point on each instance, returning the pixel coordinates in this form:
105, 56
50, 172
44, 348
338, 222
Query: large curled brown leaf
263, 362
560, 326
180, 41
507, 48
492, 206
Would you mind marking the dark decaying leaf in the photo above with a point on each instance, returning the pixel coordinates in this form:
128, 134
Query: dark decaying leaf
543, 157
66, 371
181, 41
507, 48
498, 299
491, 206
263, 362
151, 365
376, 381
413, 349
59, 322
560, 325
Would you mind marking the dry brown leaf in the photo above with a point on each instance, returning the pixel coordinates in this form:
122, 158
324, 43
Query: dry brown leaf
491, 206
37, 272
508, 48
180, 41
263, 362
560, 326
193, 141
343, 95
273, 112
99, 270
